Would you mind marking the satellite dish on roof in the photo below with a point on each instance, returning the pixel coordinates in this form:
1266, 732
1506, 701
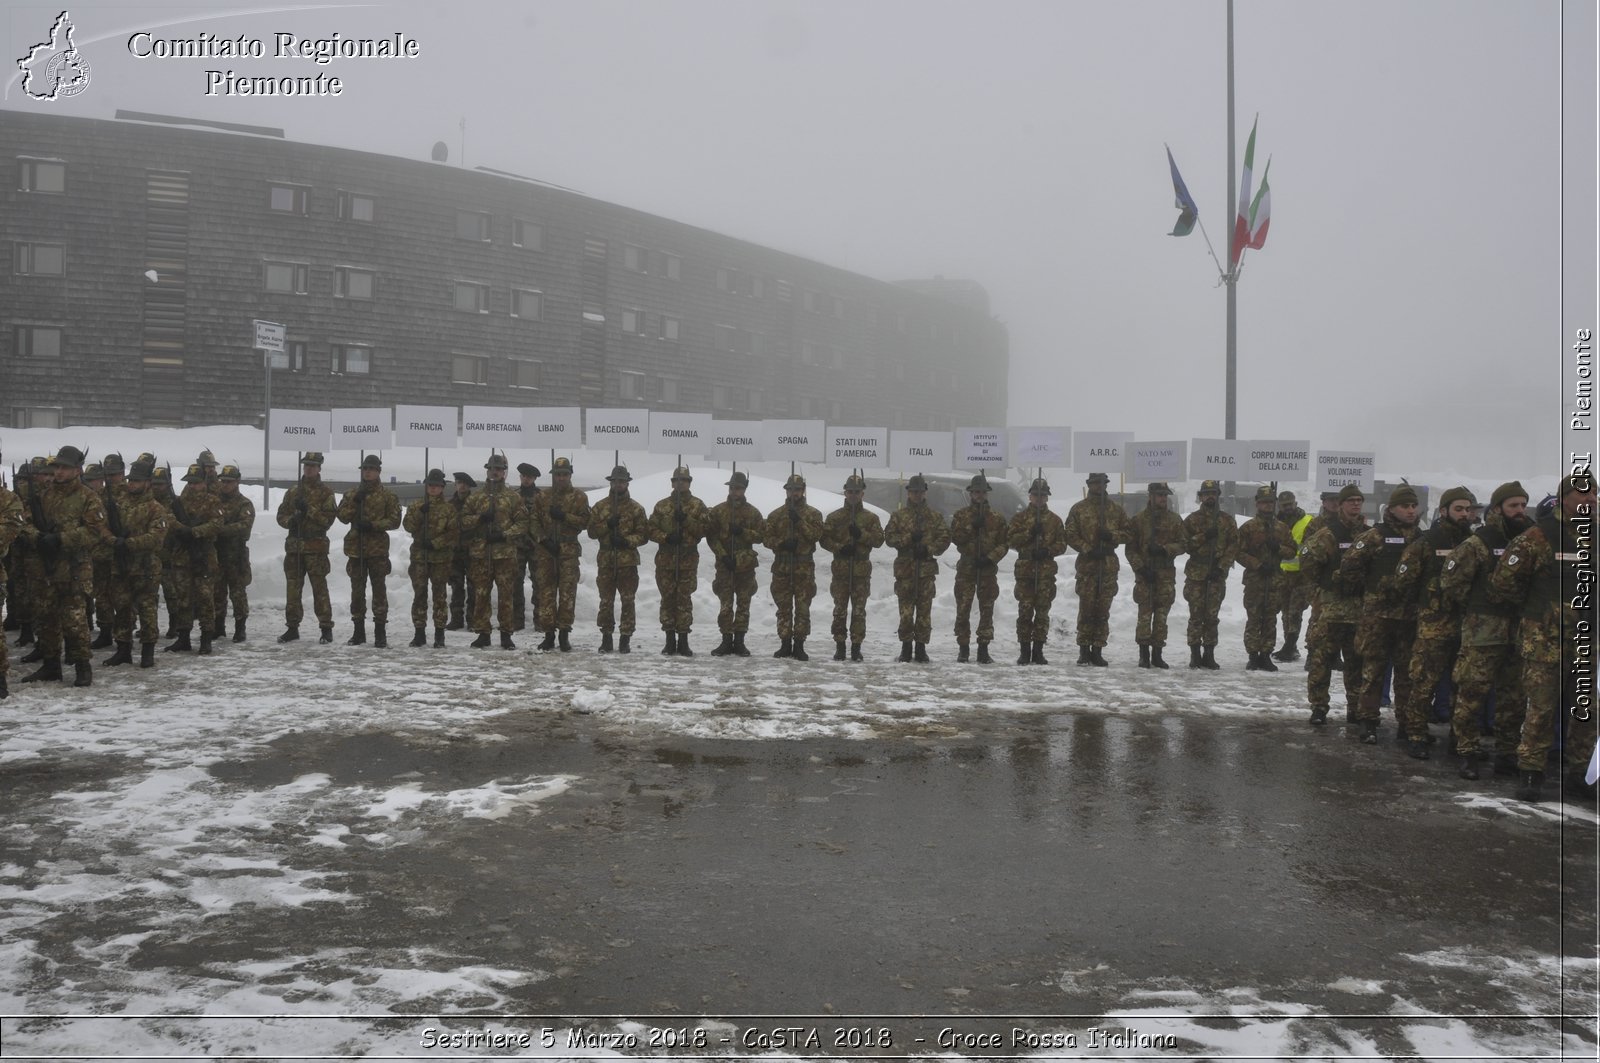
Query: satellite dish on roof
441, 153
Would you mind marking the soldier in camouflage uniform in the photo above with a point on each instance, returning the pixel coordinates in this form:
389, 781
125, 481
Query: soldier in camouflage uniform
792, 533
192, 536
11, 525
1388, 622
527, 549
142, 528
851, 532
1095, 526
1438, 639
556, 519
1039, 537
1264, 544
460, 587
233, 554
1488, 660
1292, 594
1336, 609
493, 520
307, 511
736, 528
69, 522
918, 534
1213, 544
94, 477
620, 525
19, 614
372, 511
434, 526
1156, 540
677, 524
1548, 571
1329, 510
979, 535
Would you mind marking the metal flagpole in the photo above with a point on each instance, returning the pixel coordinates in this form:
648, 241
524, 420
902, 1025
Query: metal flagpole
1231, 428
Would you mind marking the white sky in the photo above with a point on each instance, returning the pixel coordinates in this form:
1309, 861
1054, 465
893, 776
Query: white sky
1408, 298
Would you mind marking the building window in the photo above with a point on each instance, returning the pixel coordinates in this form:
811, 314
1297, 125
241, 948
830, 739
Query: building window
783, 290
288, 199
527, 304
356, 207
469, 368
758, 288
291, 277
635, 258
755, 401
352, 283
473, 298
669, 328
727, 280
630, 385
350, 359
526, 373
37, 341
35, 417
43, 175
633, 321
472, 225
671, 265
737, 340
527, 234
669, 389
41, 259
292, 358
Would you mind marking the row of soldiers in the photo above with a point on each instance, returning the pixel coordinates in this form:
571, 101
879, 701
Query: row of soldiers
99, 545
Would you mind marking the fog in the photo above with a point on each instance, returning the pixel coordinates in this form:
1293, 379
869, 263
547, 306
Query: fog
1408, 298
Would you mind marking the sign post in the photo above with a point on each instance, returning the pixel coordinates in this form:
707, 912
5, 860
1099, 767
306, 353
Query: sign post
269, 341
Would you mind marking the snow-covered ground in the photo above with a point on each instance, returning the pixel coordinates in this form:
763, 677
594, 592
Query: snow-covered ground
167, 844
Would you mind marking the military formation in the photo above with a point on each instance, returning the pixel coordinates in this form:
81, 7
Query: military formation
1470, 607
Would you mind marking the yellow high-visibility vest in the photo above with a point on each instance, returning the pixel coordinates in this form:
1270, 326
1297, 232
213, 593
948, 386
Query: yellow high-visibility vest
1299, 533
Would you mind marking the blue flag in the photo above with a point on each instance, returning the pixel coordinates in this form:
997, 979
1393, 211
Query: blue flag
1185, 202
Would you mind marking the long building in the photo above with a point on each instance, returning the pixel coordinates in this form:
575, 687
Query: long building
143, 249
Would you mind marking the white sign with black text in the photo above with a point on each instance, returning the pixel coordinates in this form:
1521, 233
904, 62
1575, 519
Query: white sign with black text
1038, 447
425, 426
1157, 462
793, 440
496, 427
735, 441
981, 448
855, 447
1335, 468
688, 434
299, 429
1099, 451
921, 451
553, 427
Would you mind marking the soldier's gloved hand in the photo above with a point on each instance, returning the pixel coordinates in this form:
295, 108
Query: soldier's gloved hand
1157, 552
916, 536
790, 545
1042, 553
735, 530
300, 505
484, 520
364, 525
180, 532
920, 553
122, 542
1106, 536
557, 513
726, 561
678, 516
984, 562
855, 531
674, 538
845, 552
613, 521
49, 541
495, 534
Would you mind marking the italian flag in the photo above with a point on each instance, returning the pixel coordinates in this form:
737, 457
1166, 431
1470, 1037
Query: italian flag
1261, 212
1241, 224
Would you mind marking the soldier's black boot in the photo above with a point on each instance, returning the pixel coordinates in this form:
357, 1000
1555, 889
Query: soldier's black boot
1319, 714
482, 641
1025, 655
1144, 656
438, 638
800, 653
785, 650
457, 623
147, 655
1254, 664
963, 654
739, 648
380, 636
671, 648
290, 634
181, 644
920, 653
1208, 659
35, 654
1265, 661
683, 645
505, 641
1194, 656
359, 636
25, 634
124, 655
172, 627
725, 647
562, 640
605, 642
49, 668
326, 638
549, 641
1530, 787
1155, 658
1369, 733
4, 693
1290, 652
1037, 656
622, 643
205, 641
219, 630
102, 640
855, 652
238, 630
1083, 655
420, 638
83, 674
905, 652
1097, 658
1417, 749
838, 649
1469, 766
983, 654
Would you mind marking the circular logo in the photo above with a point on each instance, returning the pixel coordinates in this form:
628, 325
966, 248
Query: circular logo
67, 74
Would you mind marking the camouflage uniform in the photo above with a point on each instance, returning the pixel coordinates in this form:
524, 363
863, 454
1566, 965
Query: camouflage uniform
1336, 616
528, 553
307, 511
74, 524
792, 533
1388, 622
1489, 658
735, 529
1293, 595
435, 528
1438, 638
1264, 544
105, 562
1094, 528
11, 525
979, 535
919, 535
1213, 544
677, 524
145, 523
1156, 540
233, 560
192, 553
366, 548
491, 522
461, 597
558, 552
1039, 537
1548, 571
617, 563
851, 574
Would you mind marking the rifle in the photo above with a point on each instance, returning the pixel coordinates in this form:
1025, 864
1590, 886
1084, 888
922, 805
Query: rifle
44, 527
196, 552
114, 522
850, 576
425, 540
677, 550
361, 536
1038, 565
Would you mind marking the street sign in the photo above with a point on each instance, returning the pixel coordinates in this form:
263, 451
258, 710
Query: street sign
269, 336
